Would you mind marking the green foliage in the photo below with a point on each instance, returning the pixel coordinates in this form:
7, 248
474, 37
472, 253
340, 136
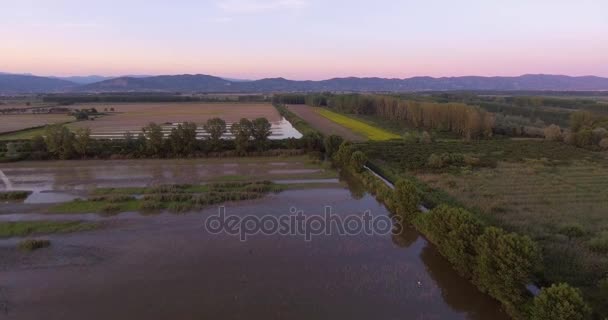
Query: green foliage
59, 141
454, 231
260, 132
153, 134
332, 143
407, 198
560, 302
572, 230
599, 243
14, 195
242, 132
215, 129
312, 141
505, 264
25, 228
342, 156
82, 141
182, 139
357, 161
33, 244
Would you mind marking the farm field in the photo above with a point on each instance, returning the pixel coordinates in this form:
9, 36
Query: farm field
9, 123
323, 124
132, 117
362, 128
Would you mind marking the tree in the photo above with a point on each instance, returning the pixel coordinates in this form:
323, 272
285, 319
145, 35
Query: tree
82, 141
242, 131
560, 302
313, 141
580, 119
59, 141
38, 148
553, 133
342, 156
358, 161
454, 231
604, 144
182, 139
215, 129
260, 132
505, 263
407, 198
154, 139
332, 144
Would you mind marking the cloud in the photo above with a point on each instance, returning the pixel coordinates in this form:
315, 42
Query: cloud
256, 6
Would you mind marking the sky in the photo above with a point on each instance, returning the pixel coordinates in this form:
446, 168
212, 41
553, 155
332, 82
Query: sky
304, 39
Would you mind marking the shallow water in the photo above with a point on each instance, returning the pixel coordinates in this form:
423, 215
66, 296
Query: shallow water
169, 267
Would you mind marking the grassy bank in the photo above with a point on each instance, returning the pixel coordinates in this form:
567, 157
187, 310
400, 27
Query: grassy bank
26, 228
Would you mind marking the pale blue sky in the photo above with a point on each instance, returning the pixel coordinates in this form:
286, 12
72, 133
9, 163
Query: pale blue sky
304, 39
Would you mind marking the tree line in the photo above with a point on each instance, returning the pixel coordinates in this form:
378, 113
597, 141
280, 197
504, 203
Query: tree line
467, 121
250, 136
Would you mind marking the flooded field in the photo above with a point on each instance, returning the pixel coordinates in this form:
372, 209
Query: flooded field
58, 181
169, 266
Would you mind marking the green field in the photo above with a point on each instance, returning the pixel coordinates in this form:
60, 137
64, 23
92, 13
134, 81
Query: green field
371, 132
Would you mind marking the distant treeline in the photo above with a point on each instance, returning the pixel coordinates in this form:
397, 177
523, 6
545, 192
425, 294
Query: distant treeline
250, 138
468, 121
67, 99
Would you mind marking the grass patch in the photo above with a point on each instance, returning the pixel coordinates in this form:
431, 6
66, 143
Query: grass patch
371, 132
33, 244
87, 206
14, 195
26, 228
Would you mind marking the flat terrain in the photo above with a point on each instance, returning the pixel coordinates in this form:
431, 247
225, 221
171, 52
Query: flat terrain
133, 116
323, 124
10, 123
369, 131
168, 266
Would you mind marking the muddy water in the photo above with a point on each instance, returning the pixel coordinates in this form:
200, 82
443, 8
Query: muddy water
60, 181
169, 267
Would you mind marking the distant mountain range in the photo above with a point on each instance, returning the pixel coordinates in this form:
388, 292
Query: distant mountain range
25, 83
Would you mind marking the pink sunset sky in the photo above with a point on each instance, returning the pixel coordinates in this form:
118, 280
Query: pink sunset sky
305, 39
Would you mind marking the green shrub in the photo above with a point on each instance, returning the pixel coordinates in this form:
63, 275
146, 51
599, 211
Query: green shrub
357, 161
560, 302
33, 244
14, 195
599, 243
151, 206
573, 230
180, 207
110, 208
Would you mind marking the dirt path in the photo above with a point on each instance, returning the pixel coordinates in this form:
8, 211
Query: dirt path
322, 124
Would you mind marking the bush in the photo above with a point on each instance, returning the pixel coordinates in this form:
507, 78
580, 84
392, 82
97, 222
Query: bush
110, 208
180, 207
599, 243
454, 231
357, 161
505, 264
604, 144
332, 144
574, 230
14, 195
560, 302
33, 244
553, 133
151, 206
